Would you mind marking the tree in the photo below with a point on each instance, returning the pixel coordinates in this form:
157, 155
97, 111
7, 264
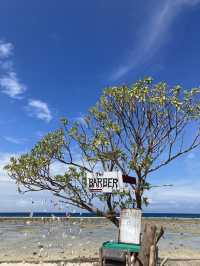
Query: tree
136, 129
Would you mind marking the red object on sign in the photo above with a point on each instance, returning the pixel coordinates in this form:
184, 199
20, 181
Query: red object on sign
129, 179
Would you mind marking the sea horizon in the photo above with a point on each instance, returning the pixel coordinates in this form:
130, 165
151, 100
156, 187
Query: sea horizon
47, 214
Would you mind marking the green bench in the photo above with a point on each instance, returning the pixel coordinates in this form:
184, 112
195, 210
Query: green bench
120, 253
135, 248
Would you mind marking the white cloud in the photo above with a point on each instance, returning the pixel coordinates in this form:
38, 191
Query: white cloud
153, 34
179, 198
14, 140
14, 88
39, 109
188, 2
5, 49
9, 81
7, 65
177, 193
10, 85
191, 155
80, 119
39, 134
11, 200
4, 160
58, 168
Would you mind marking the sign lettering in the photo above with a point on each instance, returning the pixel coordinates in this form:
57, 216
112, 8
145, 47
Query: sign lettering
106, 182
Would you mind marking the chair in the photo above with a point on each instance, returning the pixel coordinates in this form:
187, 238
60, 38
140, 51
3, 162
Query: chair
122, 252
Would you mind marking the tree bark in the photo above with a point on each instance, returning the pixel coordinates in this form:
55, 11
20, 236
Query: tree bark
152, 258
138, 199
113, 219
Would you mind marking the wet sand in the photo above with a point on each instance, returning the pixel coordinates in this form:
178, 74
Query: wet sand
49, 264
80, 239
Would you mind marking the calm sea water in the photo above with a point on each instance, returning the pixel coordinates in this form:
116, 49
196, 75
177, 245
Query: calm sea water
64, 214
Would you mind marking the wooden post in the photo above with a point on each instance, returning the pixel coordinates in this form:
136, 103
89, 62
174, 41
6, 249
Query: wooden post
152, 258
147, 255
127, 260
100, 257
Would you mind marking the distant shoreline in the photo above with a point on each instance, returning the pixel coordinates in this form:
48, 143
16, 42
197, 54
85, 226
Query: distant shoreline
71, 218
65, 215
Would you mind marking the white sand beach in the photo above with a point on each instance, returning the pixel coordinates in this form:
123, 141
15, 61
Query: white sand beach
47, 264
77, 241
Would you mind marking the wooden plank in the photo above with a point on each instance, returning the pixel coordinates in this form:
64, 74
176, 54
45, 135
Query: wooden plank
113, 254
130, 226
129, 179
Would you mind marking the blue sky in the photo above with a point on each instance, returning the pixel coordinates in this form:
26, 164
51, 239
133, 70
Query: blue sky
57, 56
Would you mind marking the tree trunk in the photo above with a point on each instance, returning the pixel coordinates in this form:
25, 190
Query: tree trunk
147, 254
138, 200
113, 219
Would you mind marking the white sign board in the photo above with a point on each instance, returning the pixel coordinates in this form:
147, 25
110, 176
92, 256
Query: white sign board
130, 226
106, 182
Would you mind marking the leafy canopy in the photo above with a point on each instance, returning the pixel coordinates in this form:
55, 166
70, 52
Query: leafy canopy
136, 129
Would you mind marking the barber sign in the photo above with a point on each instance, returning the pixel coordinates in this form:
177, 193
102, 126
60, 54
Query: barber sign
106, 182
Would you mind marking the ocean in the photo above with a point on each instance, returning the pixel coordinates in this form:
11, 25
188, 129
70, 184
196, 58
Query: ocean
85, 215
